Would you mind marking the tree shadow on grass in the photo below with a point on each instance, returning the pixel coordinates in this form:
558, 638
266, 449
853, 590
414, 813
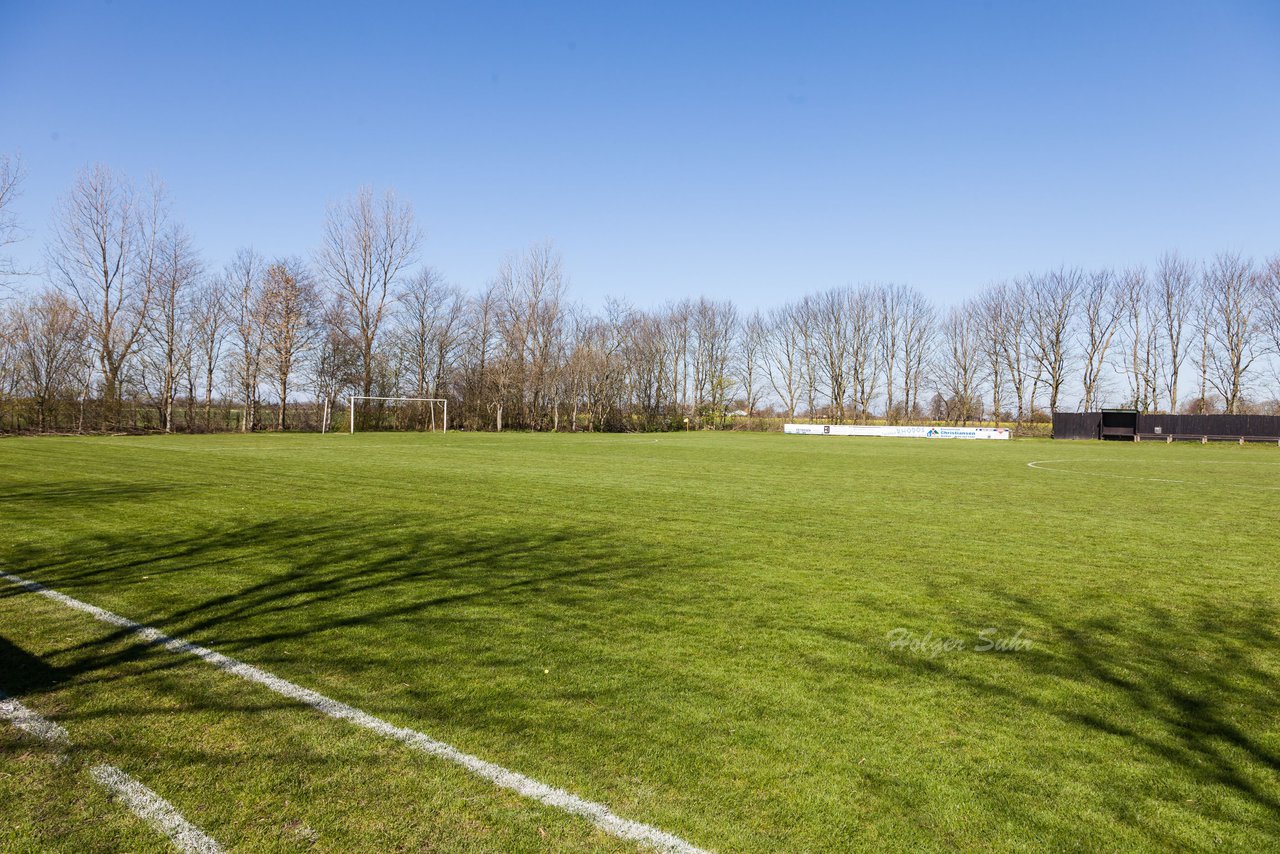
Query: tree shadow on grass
1193, 689
22, 672
267, 585
46, 499
342, 604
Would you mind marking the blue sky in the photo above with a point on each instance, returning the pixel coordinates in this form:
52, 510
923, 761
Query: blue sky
733, 150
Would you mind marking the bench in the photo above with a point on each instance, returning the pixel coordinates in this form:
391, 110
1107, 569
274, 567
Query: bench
1202, 438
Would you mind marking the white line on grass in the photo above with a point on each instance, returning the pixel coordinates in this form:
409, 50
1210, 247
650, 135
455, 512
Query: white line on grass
144, 803
598, 814
154, 810
25, 719
1043, 465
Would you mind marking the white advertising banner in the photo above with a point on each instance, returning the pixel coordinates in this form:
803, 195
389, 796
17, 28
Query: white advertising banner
900, 432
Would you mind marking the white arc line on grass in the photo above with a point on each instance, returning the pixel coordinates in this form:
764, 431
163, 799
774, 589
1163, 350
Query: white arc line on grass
1041, 465
154, 810
598, 814
32, 722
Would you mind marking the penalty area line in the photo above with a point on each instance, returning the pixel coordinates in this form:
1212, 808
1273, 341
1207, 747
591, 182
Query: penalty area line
140, 800
31, 722
154, 810
598, 814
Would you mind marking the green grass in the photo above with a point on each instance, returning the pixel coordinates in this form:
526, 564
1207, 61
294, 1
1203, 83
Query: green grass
692, 629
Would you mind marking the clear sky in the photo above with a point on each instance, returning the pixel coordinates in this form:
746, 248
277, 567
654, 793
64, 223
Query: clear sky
733, 150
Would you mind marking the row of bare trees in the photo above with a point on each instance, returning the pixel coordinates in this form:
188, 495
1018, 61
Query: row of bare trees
132, 328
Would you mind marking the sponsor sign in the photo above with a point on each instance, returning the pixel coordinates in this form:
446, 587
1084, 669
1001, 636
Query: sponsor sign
898, 432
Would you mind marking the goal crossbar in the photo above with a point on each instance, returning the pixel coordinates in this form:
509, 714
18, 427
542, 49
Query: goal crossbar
355, 397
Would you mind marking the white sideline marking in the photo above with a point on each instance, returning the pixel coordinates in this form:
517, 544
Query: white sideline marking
1043, 465
598, 814
154, 810
25, 719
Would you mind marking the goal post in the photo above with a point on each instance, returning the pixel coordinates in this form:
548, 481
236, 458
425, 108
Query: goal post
432, 401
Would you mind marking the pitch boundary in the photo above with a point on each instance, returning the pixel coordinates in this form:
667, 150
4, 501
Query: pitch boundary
31, 722
1043, 465
598, 814
154, 810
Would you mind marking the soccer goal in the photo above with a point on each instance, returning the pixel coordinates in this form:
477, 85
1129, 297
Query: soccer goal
404, 413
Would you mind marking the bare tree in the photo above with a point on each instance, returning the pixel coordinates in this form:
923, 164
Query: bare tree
102, 255
367, 246
495, 363
531, 322
1204, 323
243, 277
337, 359
1270, 316
11, 231
420, 303
863, 355
645, 363
537, 318
842, 334
289, 313
170, 336
1102, 306
993, 322
476, 358
431, 327
521, 354
1052, 314
1140, 322
751, 345
783, 360
48, 337
1015, 345
890, 301
8, 361
1232, 311
676, 328
806, 319
713, 328
963, 360
210, 316
831, 334
917, 339
606, 352
8, 369
1175, 300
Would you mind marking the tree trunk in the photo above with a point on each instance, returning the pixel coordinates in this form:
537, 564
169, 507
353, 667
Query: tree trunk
1204, 373
208, 401
284, 388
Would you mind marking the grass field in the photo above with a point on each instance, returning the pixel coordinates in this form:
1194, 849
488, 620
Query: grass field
753, 642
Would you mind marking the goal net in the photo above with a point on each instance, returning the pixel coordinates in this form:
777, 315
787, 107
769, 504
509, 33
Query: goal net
424, 414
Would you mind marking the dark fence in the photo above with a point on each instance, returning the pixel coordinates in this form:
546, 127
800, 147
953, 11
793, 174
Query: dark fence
1098, 425
1077, 425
